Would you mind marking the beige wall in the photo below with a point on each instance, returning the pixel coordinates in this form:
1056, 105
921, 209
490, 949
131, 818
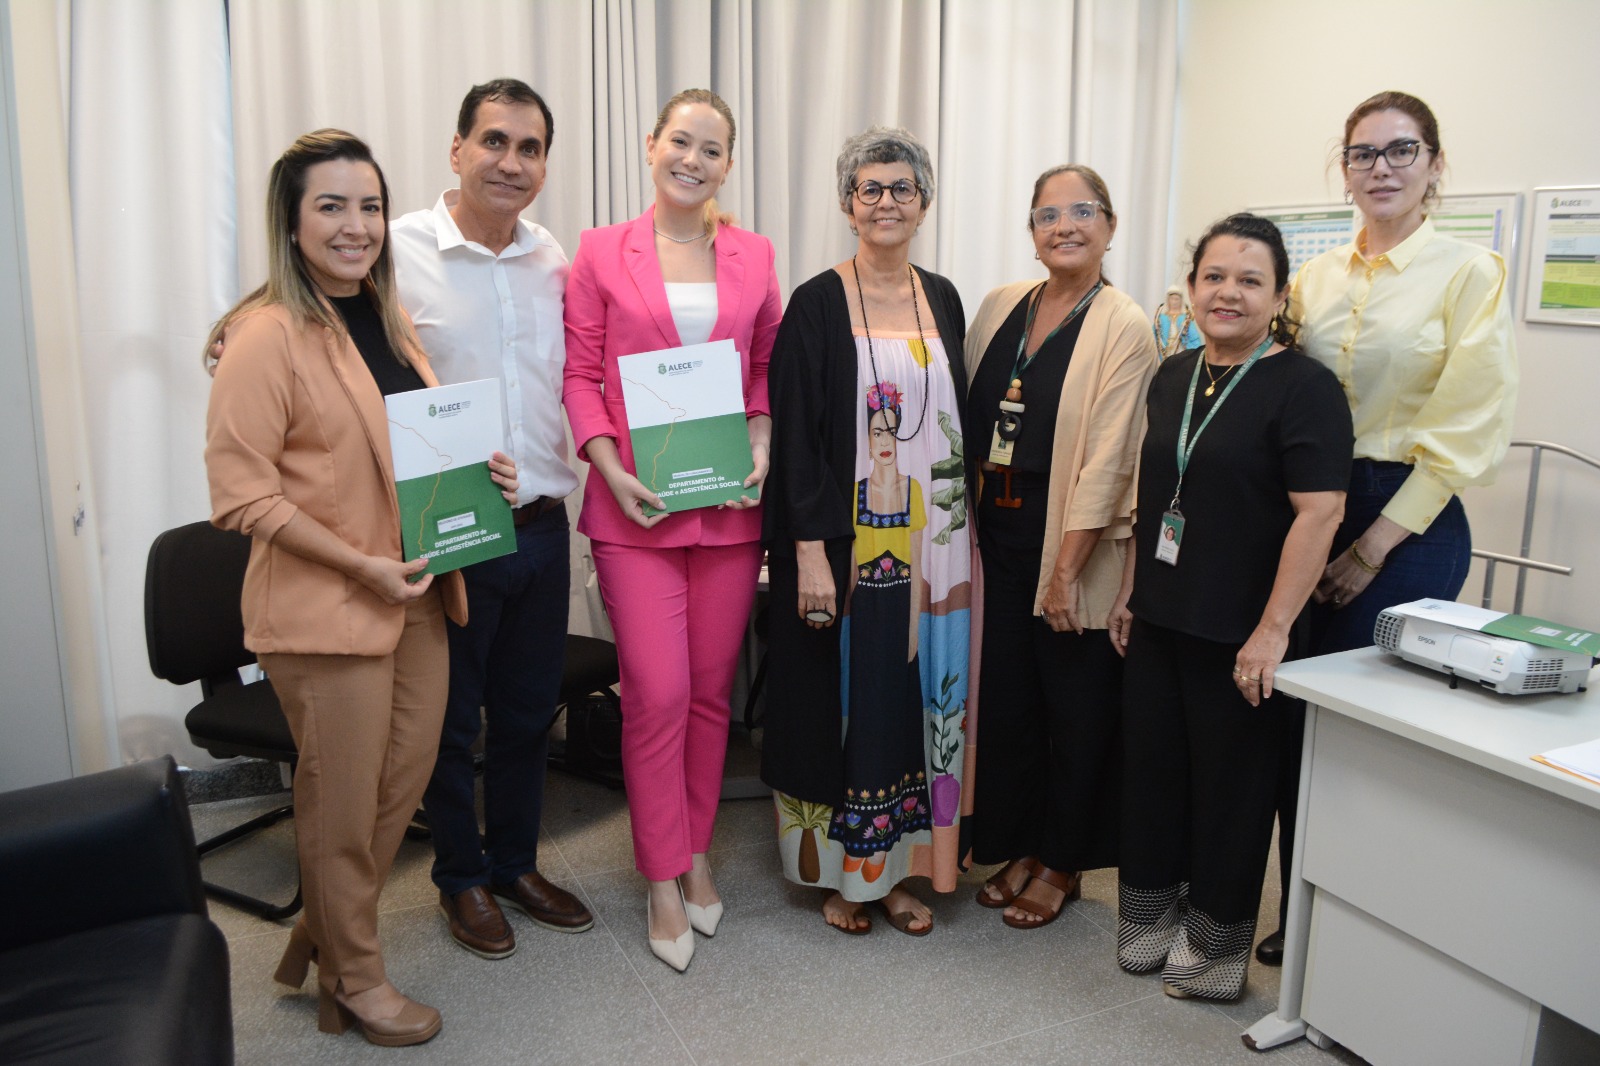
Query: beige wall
1263, 90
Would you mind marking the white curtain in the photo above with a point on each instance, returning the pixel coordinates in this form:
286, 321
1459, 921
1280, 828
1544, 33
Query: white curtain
153, 227
1033, 83
997, 89
998, 92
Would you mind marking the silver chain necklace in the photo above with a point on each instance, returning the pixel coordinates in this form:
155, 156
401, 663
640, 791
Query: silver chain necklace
702, 235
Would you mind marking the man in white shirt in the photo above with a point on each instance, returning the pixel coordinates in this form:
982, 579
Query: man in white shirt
484, 288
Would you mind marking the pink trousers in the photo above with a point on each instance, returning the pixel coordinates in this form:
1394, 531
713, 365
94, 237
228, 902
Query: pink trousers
680, 616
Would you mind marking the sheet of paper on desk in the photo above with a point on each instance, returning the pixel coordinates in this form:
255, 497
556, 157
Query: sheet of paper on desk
1580, 760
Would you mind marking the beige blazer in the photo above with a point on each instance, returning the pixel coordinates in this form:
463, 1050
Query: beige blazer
1099, 427
296, 423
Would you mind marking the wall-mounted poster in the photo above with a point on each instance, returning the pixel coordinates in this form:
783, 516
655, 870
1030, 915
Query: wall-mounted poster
1490, 220
1309, 230
1312, 229
1564, 271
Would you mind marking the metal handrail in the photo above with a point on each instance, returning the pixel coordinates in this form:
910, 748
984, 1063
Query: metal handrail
1522, 562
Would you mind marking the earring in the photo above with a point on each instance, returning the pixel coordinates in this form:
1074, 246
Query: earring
1108, 246
1275, 325
294, 238
1433, 190
1349, 197
1036, 255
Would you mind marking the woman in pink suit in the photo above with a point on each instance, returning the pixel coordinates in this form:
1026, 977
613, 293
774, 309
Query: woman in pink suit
677, 587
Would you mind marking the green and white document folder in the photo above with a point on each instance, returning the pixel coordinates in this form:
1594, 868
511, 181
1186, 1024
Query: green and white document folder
451, 511
686, 418
1538, 631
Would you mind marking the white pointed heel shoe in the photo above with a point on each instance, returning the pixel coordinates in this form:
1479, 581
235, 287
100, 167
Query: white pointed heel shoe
675, 953
703, 920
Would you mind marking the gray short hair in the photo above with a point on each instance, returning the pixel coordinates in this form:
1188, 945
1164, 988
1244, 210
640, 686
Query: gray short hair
884, 144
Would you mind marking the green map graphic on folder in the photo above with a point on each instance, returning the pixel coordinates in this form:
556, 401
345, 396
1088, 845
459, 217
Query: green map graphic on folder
686, 420
450, 510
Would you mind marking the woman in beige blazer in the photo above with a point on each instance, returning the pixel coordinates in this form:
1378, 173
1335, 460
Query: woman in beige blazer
297, 455
1058, 371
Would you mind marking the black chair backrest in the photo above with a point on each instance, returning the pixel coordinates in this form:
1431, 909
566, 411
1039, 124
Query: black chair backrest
92, 851
193, 625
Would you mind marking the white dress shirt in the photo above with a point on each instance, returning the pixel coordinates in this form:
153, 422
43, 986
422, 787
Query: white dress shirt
482, 315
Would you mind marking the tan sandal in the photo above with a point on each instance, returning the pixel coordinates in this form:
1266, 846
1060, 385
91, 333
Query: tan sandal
1069, 883
998, 883
903, 919
856, 914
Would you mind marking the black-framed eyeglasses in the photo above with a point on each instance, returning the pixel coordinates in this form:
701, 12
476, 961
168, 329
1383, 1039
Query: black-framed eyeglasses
1048, 216
870, 192
1398, 154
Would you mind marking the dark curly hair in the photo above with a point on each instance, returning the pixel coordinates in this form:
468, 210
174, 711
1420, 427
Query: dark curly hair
1250, 227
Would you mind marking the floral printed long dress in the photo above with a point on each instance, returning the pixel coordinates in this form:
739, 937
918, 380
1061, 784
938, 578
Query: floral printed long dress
904, 703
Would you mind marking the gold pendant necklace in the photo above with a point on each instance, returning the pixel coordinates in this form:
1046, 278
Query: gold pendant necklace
1215, 381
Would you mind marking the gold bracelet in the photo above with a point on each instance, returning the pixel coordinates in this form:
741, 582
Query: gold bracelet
1355, 553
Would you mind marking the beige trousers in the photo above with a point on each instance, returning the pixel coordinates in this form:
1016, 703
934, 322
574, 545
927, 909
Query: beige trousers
368, 732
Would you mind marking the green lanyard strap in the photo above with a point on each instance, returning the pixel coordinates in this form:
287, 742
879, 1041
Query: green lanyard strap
1185, 442
1019, 365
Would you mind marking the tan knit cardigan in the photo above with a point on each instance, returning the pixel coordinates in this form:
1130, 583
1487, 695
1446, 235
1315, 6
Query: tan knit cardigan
1099, 427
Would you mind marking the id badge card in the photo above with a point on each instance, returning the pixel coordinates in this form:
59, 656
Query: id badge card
1170, 538
1000, 449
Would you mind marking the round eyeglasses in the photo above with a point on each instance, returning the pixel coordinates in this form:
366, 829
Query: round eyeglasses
870, 192
1082, 211
1398, 154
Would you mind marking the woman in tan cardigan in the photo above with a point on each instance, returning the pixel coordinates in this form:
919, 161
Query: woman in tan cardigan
1058, 372
297, 455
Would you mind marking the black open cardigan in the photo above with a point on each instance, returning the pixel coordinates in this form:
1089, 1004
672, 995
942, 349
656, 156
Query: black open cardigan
810, 495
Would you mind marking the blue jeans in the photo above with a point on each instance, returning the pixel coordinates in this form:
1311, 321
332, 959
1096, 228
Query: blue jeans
1433, 563
507, 660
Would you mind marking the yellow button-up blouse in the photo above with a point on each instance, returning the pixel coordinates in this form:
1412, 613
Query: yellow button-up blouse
1421, 340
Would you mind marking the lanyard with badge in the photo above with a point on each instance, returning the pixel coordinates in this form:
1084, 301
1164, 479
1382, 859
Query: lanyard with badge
1171, 534
1008, 427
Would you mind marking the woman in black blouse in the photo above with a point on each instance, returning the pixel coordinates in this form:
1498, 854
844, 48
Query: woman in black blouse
1241, 486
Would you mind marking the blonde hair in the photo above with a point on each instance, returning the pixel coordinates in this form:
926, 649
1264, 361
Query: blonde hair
714, 215
288, 285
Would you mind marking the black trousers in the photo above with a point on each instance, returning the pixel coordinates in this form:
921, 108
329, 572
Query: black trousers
1200, 774
1049, 707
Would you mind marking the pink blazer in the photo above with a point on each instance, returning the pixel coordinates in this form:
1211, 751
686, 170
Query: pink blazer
616, 304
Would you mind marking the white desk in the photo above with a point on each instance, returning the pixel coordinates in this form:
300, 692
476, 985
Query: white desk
1444, 885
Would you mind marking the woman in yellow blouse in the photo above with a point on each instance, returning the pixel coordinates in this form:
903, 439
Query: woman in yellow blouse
1417, 327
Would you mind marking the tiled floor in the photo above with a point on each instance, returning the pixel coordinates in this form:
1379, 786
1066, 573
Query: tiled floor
774, 986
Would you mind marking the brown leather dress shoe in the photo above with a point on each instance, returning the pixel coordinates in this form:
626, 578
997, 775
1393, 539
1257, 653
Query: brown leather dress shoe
548, 905
477, 923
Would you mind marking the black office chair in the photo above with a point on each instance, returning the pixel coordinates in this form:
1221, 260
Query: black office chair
594, 713
194, 631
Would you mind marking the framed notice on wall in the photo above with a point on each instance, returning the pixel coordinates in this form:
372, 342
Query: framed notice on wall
1311, 229
1490, 220
1564, 257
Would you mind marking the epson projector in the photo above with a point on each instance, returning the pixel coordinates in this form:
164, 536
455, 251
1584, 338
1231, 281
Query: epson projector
1506, 665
